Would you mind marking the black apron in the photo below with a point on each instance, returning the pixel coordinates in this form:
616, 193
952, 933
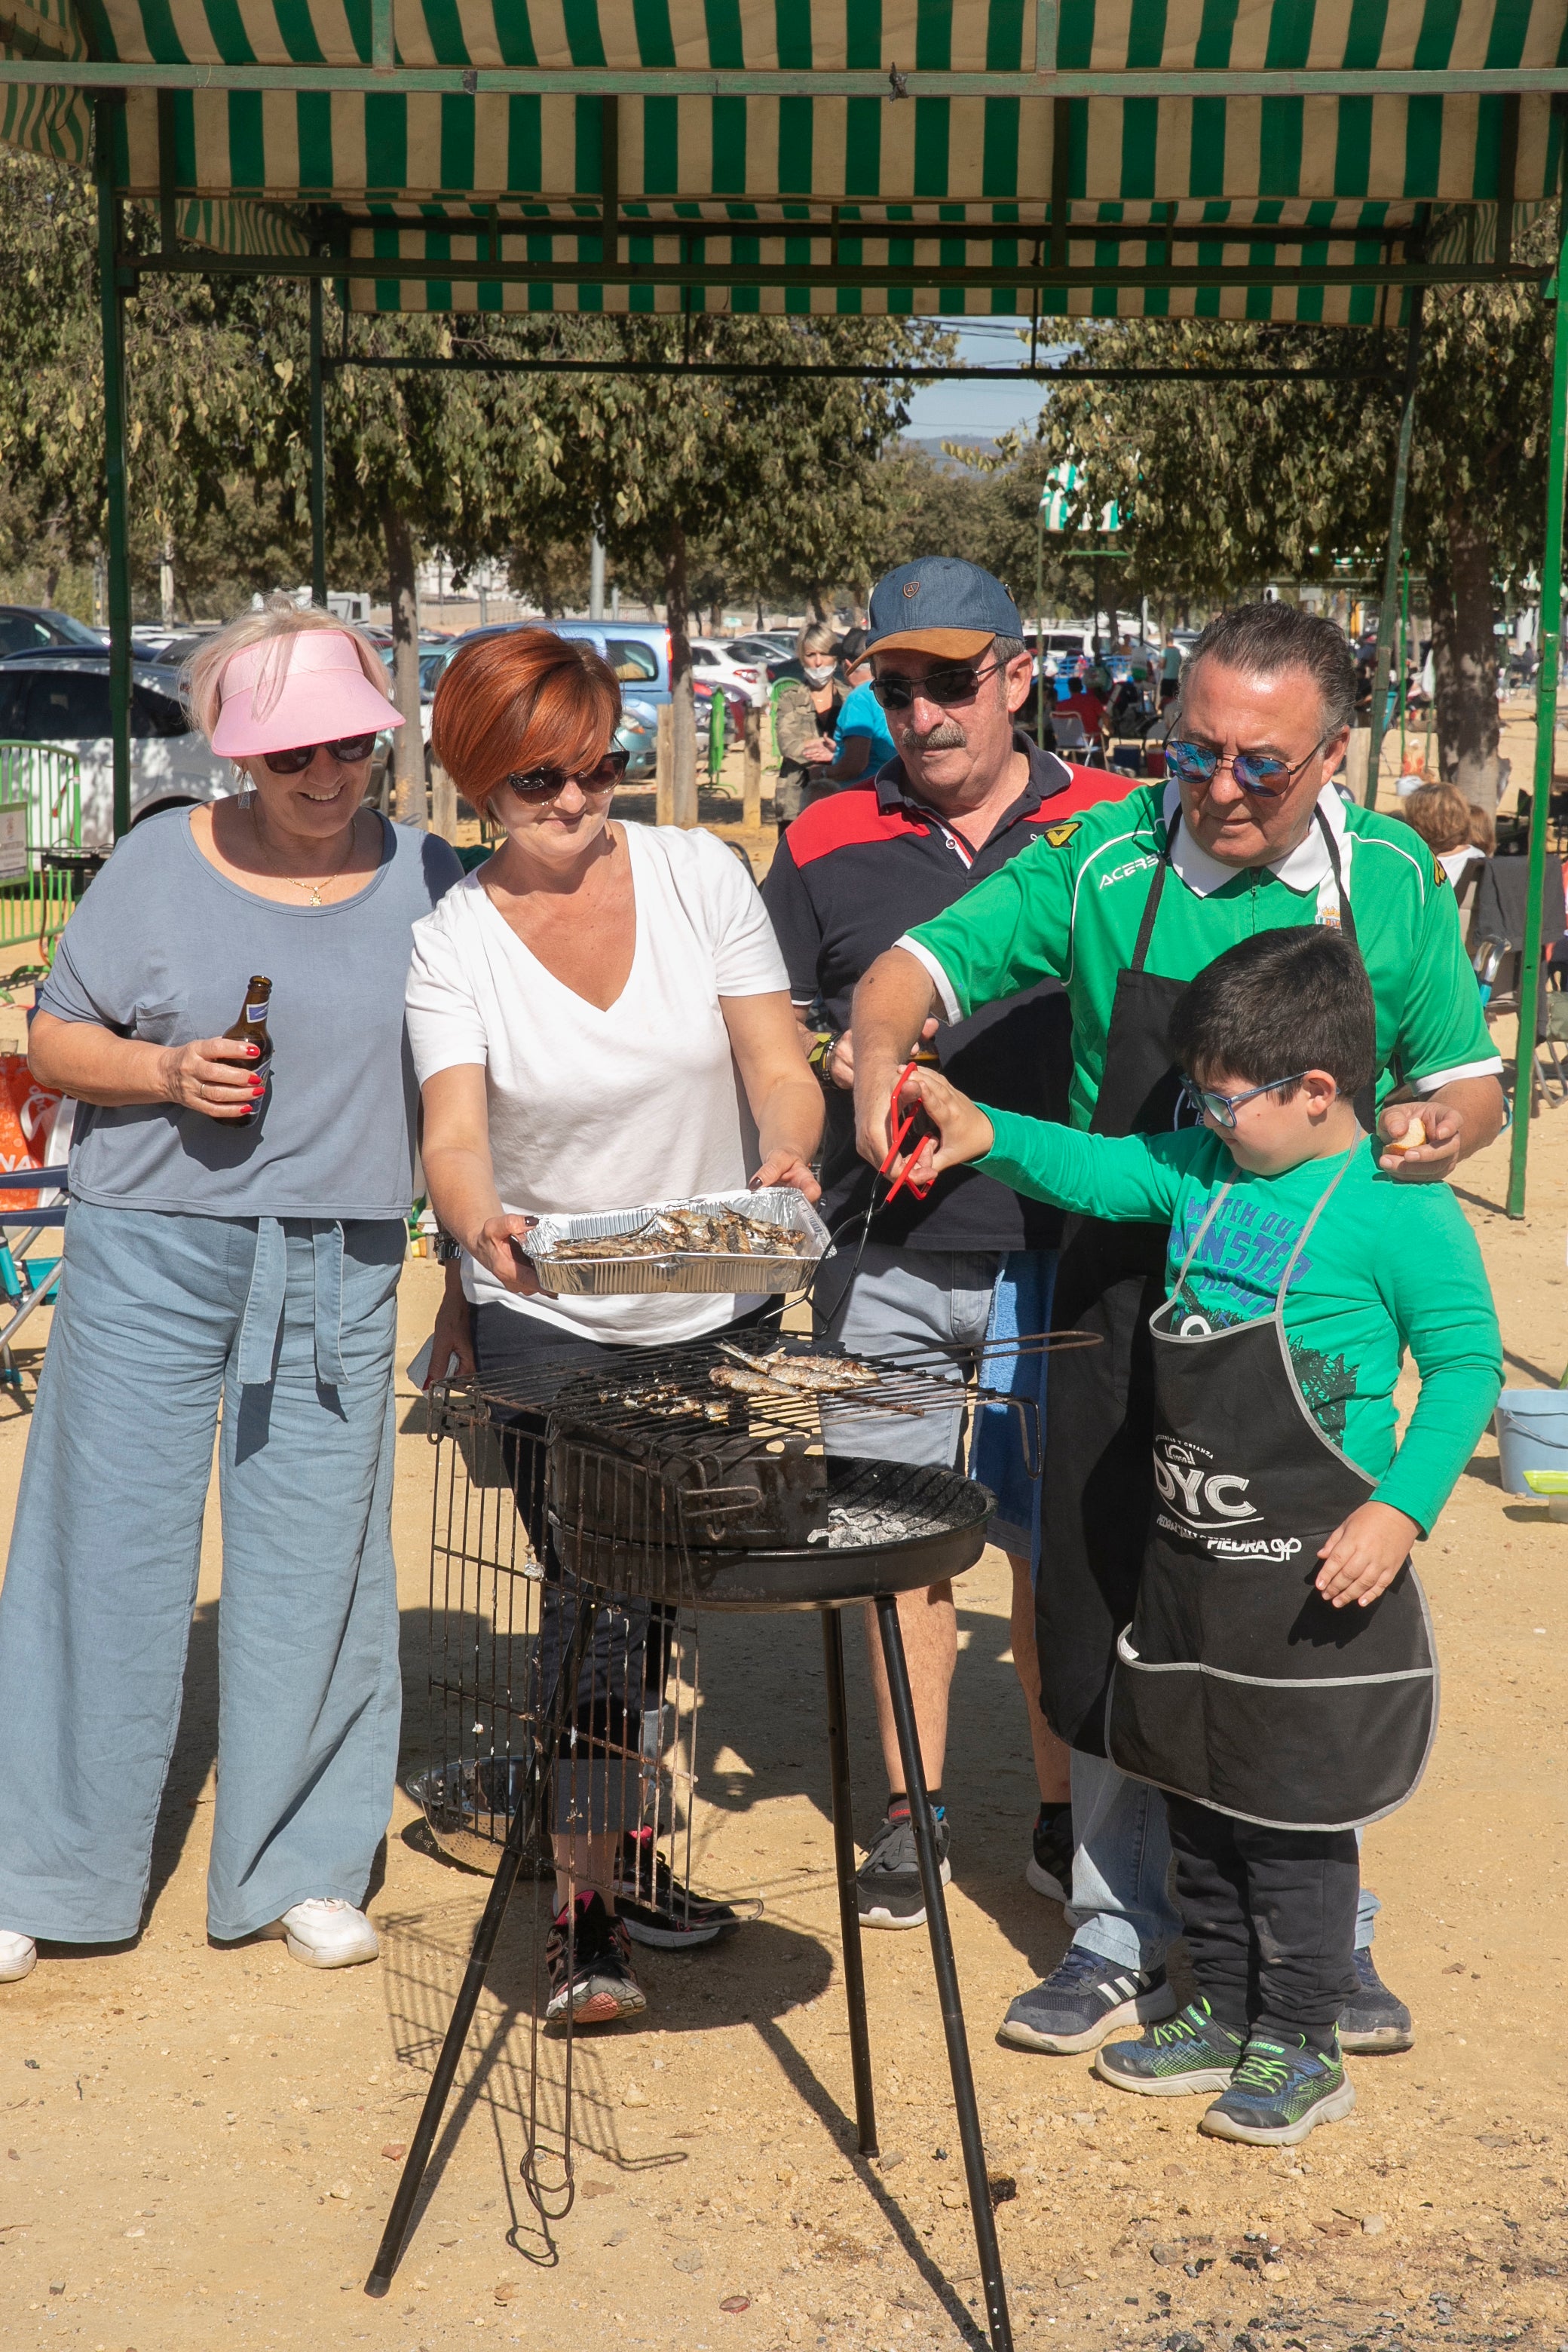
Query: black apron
1099, 1413
1238, 1685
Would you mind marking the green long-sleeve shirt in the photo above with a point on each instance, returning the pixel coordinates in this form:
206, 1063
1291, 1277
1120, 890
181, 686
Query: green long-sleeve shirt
1387, 1267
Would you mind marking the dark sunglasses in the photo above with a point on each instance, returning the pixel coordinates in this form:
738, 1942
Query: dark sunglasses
1256, 773
1222, 1108
943, 687
543, 784
298, 757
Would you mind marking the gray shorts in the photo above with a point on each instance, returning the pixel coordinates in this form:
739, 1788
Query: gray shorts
934, 1305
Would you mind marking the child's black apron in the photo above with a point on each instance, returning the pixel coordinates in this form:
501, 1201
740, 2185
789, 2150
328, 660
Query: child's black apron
1236, 1683
1095, 1502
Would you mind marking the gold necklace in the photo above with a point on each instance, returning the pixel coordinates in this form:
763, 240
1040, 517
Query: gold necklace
293, 879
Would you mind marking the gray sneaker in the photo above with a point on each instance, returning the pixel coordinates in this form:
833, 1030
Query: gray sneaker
1374, 2020
888, 1883
1083, 2001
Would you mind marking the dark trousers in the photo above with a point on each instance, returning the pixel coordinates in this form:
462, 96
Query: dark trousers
1269, 1919
624, 1658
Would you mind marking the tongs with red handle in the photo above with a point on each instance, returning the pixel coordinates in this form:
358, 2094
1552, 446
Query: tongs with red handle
911, 1128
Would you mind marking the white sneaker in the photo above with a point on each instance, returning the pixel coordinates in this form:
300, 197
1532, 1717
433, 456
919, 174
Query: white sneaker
325, 1932
18, 1955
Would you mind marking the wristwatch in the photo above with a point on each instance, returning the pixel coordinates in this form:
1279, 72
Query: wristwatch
819, 1052
447, 1251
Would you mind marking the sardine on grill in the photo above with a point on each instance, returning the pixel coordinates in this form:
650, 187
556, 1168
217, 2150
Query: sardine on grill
749, 1383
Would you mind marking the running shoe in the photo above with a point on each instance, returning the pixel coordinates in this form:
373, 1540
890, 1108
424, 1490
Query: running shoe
18, 1955
888, 1881
1282, 2090
591, 1970
657, 1909
1374, 2019
326, 1932
1050, 1867
1192, 2052
1083, 2001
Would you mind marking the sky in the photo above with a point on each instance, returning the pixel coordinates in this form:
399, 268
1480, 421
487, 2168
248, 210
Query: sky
977, 412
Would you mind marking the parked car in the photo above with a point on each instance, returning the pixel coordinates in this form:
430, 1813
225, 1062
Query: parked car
637, 652
767, 645
25, 627
713, 664
64, 699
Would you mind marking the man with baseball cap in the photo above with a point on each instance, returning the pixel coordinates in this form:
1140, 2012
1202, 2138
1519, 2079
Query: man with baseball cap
930, 1277
1245, 833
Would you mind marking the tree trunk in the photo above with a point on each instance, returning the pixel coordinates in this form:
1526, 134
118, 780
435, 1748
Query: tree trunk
816, 607
678, 621
409, 805
1464, 663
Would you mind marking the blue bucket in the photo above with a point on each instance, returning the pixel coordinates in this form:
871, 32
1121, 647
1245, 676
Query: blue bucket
1531, 1434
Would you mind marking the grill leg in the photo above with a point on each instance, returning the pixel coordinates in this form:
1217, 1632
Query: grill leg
424, 2140
848, 1904
946, 1979
518, 1834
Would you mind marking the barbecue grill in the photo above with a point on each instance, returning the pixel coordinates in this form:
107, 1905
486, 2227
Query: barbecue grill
727, 1475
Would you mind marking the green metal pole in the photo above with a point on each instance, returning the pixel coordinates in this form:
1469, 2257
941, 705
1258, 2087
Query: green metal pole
1385, 622
1040, 619
1404, 653
318, 456
109, 113
1545, 732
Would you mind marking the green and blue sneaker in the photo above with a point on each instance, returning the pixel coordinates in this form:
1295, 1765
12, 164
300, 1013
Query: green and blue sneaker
1192, 2052
1280, 2091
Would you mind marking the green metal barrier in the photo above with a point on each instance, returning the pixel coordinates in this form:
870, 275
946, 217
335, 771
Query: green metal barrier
40, 810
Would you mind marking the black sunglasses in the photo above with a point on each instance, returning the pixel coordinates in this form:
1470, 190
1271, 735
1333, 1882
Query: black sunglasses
298, 757
1258, 774
943, 687
543, 784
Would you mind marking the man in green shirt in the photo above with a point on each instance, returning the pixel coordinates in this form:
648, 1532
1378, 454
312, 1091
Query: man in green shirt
1125, 905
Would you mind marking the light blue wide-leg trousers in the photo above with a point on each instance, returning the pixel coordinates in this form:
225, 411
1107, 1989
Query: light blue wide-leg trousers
291, 1324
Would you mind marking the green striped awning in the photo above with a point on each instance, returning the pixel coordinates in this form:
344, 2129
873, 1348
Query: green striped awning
806, 178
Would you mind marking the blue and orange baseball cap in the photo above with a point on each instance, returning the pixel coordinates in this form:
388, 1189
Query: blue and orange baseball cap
940, 606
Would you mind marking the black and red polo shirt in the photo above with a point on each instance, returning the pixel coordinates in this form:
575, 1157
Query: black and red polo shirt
855, 872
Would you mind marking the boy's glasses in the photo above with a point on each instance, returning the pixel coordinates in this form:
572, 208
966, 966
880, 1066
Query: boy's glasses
1258, 774
1222, 1108
540, 785
943, 687
348, 748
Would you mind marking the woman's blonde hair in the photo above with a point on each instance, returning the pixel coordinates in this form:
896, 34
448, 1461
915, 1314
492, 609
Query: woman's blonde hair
201, 680
816, 637
1441, 815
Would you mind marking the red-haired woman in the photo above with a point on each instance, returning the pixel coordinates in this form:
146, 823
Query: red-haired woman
579, 1009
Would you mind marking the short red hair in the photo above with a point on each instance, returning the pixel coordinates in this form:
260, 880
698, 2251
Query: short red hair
525, 700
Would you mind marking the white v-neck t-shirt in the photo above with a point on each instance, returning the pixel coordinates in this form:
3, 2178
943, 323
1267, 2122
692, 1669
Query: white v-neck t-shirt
594, 1109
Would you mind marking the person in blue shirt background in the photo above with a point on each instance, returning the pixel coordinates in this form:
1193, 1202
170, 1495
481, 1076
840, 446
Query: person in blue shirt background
864, 742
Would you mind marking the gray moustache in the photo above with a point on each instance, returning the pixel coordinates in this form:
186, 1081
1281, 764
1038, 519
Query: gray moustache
946, 738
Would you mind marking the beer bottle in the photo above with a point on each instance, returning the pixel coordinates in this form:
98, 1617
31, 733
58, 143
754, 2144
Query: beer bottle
251, 1029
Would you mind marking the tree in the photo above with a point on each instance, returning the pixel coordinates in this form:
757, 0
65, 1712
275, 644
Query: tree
773, 475
769, 482
1224, 487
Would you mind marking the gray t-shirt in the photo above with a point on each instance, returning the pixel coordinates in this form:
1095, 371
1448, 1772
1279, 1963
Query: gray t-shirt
162, 947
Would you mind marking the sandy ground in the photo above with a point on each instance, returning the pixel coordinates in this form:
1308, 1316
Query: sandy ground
198, 2144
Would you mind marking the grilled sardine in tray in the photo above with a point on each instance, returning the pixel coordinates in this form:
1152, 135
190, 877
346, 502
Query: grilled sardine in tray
661, 1256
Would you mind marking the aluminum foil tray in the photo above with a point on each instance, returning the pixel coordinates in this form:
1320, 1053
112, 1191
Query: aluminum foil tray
682, 1269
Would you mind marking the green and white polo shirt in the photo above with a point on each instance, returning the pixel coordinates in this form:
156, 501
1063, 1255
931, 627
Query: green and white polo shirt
1070, 905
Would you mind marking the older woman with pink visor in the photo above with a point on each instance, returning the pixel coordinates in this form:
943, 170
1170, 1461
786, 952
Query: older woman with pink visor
236, 1229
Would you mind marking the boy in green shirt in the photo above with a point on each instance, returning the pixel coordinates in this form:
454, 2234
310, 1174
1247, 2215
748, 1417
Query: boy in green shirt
1277, 1679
